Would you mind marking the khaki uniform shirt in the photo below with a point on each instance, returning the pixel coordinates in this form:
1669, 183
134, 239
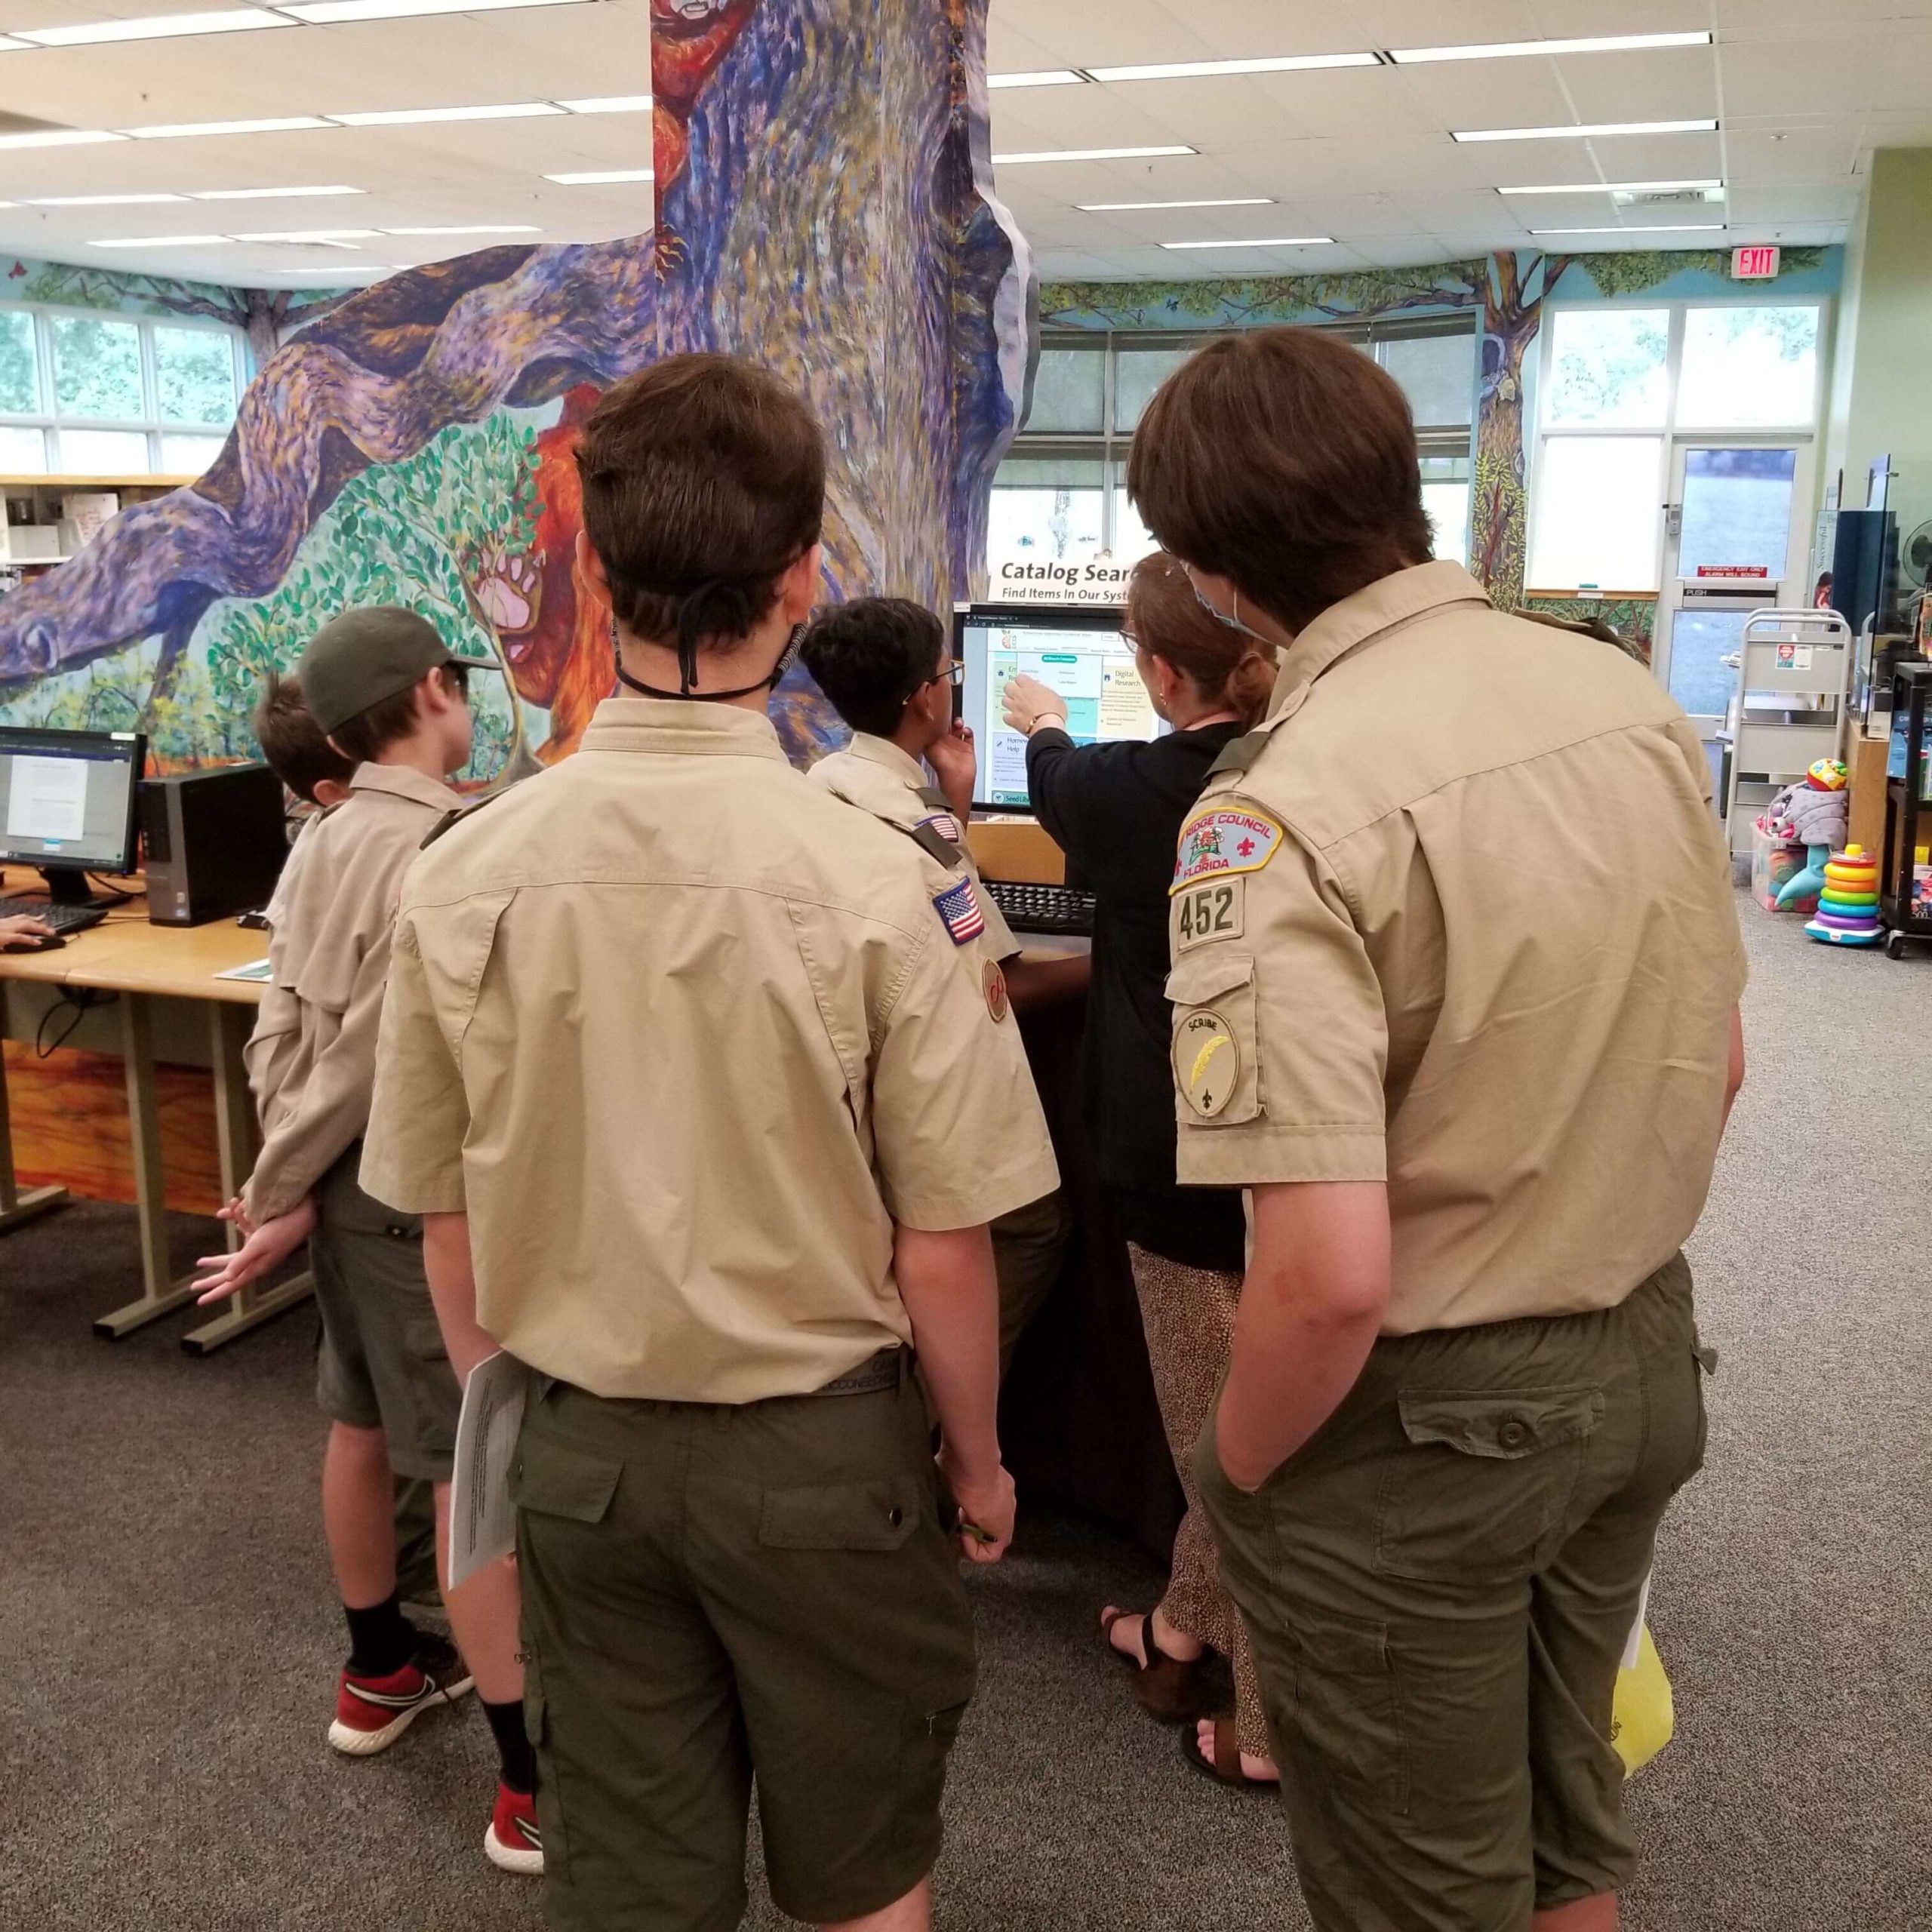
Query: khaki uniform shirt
312, 1057
1464, 923
686, 1037
874, 774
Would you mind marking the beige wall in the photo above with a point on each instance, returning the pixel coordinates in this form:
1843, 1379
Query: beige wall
1881, 379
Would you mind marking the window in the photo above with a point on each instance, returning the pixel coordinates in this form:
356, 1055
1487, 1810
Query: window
84, 395
1748, 367
1061, 495
1621, 390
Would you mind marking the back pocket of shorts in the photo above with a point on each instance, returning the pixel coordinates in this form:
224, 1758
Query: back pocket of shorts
1478, 1495
878, 1515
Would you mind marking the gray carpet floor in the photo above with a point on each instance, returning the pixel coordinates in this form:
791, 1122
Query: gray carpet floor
169, 1638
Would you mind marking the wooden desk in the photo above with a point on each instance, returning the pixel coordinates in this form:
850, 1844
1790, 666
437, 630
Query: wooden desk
141, 963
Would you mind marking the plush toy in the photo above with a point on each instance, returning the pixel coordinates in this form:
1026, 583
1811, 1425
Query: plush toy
1815, 811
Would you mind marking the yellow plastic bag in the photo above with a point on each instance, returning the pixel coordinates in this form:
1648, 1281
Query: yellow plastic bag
1641, 1720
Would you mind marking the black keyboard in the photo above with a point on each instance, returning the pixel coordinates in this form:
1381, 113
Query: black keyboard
1063, 910
62, 918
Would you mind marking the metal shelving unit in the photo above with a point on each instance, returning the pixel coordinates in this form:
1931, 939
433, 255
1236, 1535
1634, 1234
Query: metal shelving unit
1794, 676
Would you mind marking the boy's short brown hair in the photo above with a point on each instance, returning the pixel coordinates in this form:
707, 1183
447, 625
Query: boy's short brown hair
703, 483
292, 742
1284, 461
370, 733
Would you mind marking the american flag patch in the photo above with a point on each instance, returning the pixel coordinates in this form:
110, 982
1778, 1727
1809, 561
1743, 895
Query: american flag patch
947, 826
958, 907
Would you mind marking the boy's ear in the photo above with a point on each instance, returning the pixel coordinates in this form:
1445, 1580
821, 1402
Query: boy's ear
330, 791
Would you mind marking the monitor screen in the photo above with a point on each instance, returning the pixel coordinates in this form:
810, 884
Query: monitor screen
1082, 653
67, 798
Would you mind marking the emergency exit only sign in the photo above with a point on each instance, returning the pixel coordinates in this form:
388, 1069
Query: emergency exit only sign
1753, 264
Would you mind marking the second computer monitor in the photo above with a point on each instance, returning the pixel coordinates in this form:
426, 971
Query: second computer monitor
1081, 653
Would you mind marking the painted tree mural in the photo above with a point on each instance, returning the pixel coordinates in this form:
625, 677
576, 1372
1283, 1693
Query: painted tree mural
367, 457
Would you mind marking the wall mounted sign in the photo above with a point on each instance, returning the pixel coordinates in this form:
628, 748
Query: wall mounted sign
1757, 264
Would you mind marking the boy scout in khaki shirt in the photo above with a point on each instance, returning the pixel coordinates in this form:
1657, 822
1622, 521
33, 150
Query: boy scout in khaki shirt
381, 685
884, 663
1473, 1062
706, 1113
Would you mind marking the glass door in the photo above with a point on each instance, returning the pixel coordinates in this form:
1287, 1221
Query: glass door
1732, 545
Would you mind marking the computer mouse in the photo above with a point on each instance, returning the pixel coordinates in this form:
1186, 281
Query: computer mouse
35, 943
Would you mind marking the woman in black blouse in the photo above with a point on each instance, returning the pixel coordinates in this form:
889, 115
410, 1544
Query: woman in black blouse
1116, 811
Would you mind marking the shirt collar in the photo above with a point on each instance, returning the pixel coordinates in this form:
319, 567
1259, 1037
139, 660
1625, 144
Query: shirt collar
883, 751
404, 781
1369, 613
681, 725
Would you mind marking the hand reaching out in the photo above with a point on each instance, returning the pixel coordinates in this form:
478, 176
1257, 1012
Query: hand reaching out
1026, 701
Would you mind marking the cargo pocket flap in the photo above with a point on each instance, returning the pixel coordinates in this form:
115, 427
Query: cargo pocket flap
1503, 1423
565, 1482
1194, 981
851, 1515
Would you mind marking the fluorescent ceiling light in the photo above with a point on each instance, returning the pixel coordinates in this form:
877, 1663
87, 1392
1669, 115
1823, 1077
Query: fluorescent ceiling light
1044, 77
477, 228
320, 238
601, 177
1585, 133
1201, 70
1613, 188
329, 13
403, 117
155, 26
1280, 241
180, 130
97, 200
264, 194
610, 103
1128, 208
1658, 228
1511, 49
165, 242
8, 46
58, 137
1091, 154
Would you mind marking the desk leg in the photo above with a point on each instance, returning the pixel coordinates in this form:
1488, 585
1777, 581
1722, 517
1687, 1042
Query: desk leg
233, 1114
158, 1294
18, 1204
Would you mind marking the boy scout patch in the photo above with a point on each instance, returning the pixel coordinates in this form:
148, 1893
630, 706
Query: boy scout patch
1221, 841
1207, 1061
958, 909
946, 825
1215, 911
994, 981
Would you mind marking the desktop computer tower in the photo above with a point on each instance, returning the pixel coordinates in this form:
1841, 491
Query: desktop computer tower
216, 843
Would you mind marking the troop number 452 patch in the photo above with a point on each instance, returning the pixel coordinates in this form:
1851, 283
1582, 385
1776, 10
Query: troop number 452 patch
1221, 841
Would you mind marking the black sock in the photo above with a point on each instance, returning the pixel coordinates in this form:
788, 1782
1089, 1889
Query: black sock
513, 1745
381, 1639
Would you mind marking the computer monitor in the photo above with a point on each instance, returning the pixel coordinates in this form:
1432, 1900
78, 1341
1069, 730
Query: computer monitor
1080, 651
67, 804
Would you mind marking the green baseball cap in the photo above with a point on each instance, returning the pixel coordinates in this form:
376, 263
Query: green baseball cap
360, 658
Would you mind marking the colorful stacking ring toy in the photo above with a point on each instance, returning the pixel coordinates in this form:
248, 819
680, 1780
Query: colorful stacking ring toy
1847, 911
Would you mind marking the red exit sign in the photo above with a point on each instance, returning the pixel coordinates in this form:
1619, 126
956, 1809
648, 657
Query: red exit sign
1753, 264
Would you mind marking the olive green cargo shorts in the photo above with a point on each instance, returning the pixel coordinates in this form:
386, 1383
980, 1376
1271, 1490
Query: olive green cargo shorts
382, 1365
1439, 1586
714, 1596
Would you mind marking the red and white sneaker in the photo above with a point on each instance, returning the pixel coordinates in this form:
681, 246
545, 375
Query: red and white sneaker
372, 1712
512, 1843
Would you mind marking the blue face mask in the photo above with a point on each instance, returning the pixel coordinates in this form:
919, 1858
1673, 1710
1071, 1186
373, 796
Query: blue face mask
1226, 621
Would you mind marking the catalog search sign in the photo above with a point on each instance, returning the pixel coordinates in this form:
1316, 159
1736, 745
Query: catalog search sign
1759, 264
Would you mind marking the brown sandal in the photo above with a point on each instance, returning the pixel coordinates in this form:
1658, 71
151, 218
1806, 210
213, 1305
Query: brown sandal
1168, 1688
1225, 1768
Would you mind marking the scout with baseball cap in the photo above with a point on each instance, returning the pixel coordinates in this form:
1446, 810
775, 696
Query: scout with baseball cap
390, 697
732, 1110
